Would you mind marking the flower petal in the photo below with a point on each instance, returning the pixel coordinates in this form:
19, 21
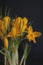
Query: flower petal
37, 34
6, 42
25, 20
34, 40
30, 29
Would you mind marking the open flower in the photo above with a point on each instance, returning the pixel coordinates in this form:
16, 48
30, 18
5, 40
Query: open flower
32, 35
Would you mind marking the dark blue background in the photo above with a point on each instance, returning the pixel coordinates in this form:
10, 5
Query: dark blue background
33, 10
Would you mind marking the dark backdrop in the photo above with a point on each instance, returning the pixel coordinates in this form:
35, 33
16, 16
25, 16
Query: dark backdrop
34, 12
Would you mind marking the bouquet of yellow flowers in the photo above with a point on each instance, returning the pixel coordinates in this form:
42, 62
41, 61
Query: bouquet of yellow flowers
12, 32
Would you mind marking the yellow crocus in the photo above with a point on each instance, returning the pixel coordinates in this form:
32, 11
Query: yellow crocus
20, 24
6, 21
18, 21
24, 24
6, 43
25, 21
31, 35
12, 33
2, 27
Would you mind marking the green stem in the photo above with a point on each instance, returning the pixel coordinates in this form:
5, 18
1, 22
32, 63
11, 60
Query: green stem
5, 60
15, 57
22, 60
3, 53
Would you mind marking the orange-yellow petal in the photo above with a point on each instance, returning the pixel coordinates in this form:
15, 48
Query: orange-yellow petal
2, 27
6, 42
31, 37
6, 21
25, 21
13, 33
17, 21
29, 29
34, 40
37, 34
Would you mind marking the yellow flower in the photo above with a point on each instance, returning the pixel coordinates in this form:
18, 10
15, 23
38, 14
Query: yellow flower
12, 33
24, 24
6, 21
20, 24
6, 43
32, 35
2, 27
25, 21
18, 21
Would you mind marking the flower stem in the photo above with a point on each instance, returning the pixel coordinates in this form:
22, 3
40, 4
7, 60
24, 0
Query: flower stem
22, 60
4, 60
